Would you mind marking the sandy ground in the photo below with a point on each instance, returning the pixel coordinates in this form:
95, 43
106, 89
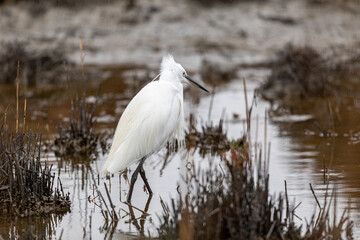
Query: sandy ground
243, 33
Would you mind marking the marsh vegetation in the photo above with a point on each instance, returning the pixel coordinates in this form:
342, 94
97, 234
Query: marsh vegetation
303, 125
26, 182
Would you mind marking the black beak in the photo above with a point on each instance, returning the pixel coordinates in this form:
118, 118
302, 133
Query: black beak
192, 81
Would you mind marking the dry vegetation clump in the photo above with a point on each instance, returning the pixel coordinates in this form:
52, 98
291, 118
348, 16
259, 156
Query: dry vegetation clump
77, 140
27, 187
212, 138
233, 202
297, 72
302, 72
43, 67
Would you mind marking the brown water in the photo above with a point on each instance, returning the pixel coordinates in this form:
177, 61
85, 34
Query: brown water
298, 150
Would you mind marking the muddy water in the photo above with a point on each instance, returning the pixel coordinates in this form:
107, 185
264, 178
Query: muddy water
300, 153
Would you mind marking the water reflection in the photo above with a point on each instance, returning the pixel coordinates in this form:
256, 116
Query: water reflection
329, 142
139, 225
30, 227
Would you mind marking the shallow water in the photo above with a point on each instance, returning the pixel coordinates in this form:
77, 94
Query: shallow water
297, 152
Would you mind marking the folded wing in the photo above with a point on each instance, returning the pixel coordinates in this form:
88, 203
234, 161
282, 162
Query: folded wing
151, 117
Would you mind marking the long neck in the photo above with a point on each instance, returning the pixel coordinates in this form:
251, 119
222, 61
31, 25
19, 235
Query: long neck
171, 77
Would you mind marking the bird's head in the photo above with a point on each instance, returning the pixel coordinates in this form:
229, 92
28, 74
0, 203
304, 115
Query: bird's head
172, 70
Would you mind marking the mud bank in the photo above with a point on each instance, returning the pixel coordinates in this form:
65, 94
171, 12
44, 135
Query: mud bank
242, 33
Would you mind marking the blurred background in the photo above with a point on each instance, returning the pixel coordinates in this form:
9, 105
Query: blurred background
300, 59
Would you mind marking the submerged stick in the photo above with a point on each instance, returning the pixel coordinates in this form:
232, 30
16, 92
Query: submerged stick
111, 204
317, 201
102, 198
287, 203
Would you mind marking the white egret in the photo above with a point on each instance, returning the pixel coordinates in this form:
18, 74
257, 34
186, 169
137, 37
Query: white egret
151, 119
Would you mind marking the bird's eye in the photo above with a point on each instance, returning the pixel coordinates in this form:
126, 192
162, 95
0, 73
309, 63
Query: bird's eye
184, 74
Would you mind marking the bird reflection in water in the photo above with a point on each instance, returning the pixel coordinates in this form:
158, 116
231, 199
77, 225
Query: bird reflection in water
139, 222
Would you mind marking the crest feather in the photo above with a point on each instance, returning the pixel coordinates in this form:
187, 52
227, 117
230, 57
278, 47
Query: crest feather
167, 62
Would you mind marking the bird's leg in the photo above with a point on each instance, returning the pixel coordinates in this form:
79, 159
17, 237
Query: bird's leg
133, 180
143, 176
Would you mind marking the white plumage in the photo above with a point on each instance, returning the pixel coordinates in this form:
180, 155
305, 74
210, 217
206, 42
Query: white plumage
153, 117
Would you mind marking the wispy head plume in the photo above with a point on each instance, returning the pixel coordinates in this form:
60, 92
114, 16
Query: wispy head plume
167, 63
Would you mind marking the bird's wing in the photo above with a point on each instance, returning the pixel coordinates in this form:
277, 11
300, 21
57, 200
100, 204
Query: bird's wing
148, 121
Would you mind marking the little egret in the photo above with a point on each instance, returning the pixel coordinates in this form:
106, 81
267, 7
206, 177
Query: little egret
151, 119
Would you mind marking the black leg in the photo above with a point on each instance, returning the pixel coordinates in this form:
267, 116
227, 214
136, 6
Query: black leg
133, 179
143, 176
